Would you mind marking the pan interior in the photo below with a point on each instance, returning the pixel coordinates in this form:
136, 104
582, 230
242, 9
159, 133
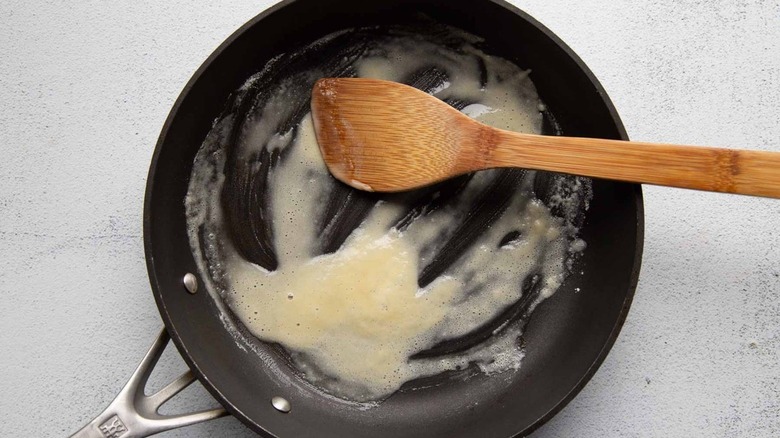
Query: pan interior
454, 270
565, 337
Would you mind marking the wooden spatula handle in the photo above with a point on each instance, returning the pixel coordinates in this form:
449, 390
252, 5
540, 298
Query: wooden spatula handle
702, 168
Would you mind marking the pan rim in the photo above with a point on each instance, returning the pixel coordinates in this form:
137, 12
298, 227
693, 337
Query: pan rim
150, 190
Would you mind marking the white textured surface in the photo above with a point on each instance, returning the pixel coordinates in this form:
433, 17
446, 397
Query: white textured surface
86, 86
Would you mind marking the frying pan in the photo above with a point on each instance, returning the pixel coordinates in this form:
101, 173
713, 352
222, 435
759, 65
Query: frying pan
566, 338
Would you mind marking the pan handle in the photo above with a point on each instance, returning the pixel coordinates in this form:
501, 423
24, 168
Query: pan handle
133, 414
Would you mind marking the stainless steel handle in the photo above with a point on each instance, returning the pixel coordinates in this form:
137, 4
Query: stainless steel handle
133, 414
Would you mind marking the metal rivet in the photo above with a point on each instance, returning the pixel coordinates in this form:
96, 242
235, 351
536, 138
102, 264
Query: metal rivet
281, 404
190, 283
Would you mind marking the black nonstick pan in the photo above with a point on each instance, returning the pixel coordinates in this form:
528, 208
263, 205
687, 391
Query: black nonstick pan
566, 338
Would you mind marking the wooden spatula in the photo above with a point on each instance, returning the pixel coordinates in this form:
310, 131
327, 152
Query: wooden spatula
388, 137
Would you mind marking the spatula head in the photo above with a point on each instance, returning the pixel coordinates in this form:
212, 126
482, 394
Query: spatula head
388, 137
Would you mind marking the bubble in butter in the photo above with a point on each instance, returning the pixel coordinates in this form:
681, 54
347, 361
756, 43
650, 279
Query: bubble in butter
355, 318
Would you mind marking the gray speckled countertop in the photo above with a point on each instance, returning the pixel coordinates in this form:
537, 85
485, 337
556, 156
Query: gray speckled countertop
85, 88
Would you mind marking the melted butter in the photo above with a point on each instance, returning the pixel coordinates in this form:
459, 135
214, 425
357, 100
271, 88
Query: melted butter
357, 313
354, 319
